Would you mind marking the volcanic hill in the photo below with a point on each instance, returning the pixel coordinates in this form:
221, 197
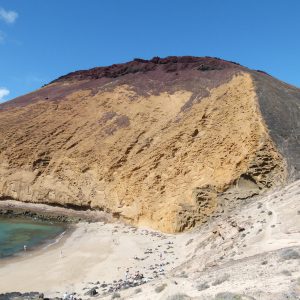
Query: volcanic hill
166, 143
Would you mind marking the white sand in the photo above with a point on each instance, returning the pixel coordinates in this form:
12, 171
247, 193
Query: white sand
239, 253
93, 252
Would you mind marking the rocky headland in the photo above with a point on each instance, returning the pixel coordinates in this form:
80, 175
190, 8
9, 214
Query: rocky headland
165, 143
135, 154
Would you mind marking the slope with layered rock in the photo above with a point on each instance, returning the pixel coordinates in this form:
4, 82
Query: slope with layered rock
165, 143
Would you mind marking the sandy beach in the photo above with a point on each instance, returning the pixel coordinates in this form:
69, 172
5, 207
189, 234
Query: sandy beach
253, 250
91, 252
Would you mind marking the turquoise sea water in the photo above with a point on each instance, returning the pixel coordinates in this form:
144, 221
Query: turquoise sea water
15, 233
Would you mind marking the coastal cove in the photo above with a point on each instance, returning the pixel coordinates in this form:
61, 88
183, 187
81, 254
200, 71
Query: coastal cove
27, 228
149, 150
20, 234
103, 258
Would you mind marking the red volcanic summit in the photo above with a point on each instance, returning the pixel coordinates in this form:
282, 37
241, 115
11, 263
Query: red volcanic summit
168, 64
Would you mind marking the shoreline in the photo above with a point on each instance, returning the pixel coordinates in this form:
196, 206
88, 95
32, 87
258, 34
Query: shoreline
95, 247
261, 239
46, 212
91, 253
40, 247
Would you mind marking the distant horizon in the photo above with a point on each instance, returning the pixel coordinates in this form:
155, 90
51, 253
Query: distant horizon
41, 41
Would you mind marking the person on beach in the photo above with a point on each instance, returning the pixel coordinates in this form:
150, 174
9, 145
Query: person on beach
25, 248
127, 274
161, 268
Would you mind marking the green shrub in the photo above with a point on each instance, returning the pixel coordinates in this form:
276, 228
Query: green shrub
202, 286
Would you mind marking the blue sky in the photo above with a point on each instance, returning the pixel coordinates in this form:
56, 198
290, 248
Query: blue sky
42, 40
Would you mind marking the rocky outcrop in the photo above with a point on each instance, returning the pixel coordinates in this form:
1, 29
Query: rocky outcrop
280, 107
24, 296
157, 143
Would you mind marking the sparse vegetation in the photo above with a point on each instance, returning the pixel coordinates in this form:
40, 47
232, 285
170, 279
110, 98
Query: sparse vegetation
202, 286
183, 275
115, 296
286, 272
221, 279
189, 242
179, 297
160, 288
288, 254
232, 296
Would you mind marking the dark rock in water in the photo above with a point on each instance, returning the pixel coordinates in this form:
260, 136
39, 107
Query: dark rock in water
41, 216
24, 296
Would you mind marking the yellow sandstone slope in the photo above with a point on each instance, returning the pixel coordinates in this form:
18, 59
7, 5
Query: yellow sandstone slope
141, 157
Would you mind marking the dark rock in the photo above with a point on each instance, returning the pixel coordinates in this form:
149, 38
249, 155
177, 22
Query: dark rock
92, 292
283, 120
22, 296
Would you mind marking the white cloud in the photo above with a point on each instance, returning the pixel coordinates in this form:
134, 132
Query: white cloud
3, 92
8, 16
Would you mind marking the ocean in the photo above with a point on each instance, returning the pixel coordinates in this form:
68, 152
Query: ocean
15, 233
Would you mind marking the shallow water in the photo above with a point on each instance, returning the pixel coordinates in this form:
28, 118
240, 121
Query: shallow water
15, 233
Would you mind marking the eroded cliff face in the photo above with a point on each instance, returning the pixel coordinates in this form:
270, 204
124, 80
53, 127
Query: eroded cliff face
161, 149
